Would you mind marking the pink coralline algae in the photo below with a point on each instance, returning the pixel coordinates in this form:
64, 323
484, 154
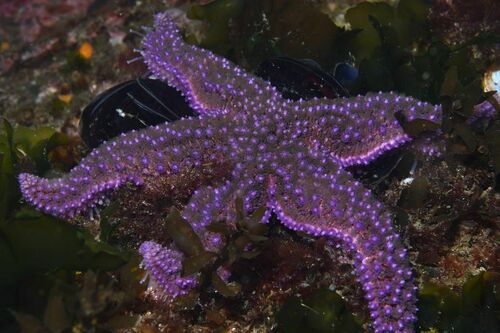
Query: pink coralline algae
287, 156
33, 16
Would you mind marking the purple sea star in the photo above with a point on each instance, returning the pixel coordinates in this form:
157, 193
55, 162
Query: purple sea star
287, 156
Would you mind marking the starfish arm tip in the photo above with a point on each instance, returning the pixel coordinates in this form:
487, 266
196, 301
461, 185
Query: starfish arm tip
164, 266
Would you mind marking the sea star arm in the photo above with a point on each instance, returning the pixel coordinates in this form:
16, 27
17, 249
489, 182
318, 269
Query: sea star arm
164, 266
137, 157
212, 85
320, 198
359, 129
206, 204
217, 203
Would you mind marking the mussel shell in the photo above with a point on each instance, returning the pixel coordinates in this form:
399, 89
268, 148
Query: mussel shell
300, 79
133, 104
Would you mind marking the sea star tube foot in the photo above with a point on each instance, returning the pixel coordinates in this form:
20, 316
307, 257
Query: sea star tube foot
290, 157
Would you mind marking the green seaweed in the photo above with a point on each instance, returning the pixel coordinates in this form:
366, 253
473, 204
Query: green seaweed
183, 235
9, 189
249, 32
244, 242
474, 310
34, 246
324, 311
23, 147
218, 14
84, 302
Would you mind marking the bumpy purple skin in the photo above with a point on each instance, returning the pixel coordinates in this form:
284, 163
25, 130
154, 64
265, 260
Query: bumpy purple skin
485, 111
287, 156
164, 265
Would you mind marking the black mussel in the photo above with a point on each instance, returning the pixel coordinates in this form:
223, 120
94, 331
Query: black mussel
297, 79
133, 104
